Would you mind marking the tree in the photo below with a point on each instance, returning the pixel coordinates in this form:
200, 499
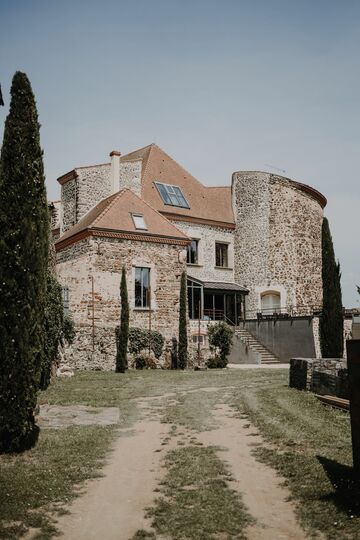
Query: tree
220, 339
54, 316
174, 353
183, 344
54, 323
331, 320
123, 334
23, 268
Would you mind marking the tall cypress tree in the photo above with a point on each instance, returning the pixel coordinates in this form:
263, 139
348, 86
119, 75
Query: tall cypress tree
123, 334
183, 344
23, 268
331, 320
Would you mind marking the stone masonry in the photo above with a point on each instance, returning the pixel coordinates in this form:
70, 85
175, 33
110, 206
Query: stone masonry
102, 260
207, 235
277, 241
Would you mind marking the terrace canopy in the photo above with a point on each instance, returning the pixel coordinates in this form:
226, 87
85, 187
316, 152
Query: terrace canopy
216, 300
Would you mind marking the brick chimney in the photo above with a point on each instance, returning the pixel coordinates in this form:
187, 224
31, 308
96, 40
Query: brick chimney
115, 171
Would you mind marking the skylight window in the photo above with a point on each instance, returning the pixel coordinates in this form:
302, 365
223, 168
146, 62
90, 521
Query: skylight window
172, 195
139, 221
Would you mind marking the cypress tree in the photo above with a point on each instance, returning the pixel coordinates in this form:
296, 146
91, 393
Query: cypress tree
123, 334
331, 320
183, 344
23, 268
54, 322
54, 316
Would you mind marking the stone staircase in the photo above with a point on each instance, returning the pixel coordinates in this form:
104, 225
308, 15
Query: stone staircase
267, 357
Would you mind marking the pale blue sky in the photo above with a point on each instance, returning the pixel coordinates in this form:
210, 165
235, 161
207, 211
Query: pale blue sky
220, 85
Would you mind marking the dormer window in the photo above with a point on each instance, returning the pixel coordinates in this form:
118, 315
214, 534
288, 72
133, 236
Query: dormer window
139, 222
172, 195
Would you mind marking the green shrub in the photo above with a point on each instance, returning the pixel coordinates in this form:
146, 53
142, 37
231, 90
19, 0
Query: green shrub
139, 341
140, 362
144, 361
157, 343
220, 339
216, 362
69, 331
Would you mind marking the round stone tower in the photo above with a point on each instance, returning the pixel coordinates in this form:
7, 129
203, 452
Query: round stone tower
277, 241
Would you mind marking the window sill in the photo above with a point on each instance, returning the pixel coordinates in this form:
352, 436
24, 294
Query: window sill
195, 264
143, 309
223, 268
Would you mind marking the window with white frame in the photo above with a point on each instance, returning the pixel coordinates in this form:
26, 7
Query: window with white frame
142, 287
270, 302
139, 221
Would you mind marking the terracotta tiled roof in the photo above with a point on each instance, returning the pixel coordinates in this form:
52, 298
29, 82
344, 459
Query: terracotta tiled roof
114, 214
207, 204
211, 204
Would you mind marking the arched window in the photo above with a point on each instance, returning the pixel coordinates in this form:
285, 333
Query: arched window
270, 302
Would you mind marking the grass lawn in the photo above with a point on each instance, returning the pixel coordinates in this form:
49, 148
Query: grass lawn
308, 443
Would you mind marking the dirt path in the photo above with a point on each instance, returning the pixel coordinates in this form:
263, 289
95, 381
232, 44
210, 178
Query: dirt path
266, 499
112, 508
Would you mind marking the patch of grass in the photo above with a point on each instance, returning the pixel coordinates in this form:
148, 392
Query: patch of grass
33, 482
197, 502
310, 446
193, 410
141, 534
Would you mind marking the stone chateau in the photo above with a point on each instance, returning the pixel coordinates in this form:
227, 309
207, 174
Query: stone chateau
251, 250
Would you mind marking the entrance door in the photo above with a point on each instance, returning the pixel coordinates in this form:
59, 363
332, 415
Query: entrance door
230, 308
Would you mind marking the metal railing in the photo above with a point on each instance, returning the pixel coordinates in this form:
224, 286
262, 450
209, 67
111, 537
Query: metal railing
216, 315
284, 312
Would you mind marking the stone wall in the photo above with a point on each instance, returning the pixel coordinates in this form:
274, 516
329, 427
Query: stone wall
68, 205
295, 258
324, 376
316, 333
251, 206
206, 269
93, 185
55, 214
102, 260
277, 240
130, 176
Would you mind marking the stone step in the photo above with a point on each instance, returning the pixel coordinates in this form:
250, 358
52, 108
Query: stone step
267, 357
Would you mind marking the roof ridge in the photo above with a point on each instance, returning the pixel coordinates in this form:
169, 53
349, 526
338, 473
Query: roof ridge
145, 169
107, 207
138, 150
181, 167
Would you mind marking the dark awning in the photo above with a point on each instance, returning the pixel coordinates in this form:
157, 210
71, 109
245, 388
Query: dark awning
220, 285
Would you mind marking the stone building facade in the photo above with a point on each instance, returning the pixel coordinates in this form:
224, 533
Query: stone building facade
91, 269
259, 238
278, 241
